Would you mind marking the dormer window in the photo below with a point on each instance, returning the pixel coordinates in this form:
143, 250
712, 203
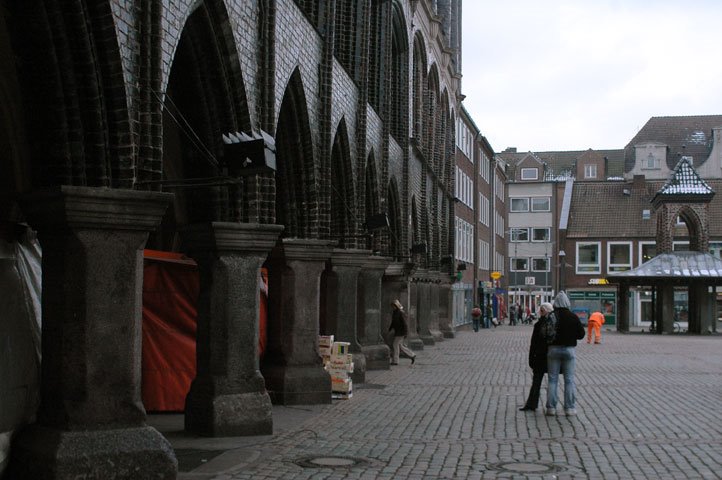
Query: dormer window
590, 171
651, 161
529, 173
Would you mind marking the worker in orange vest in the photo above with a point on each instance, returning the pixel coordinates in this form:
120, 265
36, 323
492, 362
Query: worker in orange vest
594, 326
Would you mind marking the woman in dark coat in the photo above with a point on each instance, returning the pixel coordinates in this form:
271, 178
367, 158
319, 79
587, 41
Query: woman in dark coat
538, 357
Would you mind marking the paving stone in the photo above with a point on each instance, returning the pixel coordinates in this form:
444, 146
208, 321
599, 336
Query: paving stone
648, 407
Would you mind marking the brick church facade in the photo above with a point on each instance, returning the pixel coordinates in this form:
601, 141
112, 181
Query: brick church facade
312, 138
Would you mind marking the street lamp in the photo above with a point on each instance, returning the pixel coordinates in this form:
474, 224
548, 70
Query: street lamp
562, 264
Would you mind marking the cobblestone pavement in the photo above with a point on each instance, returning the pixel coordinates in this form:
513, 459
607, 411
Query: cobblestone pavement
649, 406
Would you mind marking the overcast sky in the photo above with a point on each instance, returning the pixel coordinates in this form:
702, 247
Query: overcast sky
546, 75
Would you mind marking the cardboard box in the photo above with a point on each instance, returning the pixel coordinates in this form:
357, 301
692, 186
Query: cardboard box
339, 385
341, 348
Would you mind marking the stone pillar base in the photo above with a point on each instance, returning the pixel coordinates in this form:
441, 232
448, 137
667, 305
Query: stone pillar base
428, 339
416, 343
230, 415
298, 385
42, 453
360, 365
377, 357
449, 334
437, 335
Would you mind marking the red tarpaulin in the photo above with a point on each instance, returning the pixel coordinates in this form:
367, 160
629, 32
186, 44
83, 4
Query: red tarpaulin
170, 293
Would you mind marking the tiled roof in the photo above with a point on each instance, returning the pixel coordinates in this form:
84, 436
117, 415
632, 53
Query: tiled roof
685, 136
676, 265
685, 181
560, 162
604, 210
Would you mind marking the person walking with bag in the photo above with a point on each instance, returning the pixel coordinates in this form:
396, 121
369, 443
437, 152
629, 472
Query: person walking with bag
538, 355
476, 317
561, 355
400, 327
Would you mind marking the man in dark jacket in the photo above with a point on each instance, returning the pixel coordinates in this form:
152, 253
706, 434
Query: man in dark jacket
561, 355
401, 329
538, 357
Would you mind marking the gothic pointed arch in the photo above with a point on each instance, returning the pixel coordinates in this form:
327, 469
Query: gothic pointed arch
419, 234
426, 236
372, 204
399, 75
348, 32
687, 196
297, 205
204, 100
419, 85
431, 118
395, 249
444, 128
73, 90
343, 197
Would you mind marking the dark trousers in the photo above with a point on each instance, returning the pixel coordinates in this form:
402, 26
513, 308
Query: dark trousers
533, 400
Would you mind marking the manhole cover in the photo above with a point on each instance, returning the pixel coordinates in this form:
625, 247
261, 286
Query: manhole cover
329, 462
525, 467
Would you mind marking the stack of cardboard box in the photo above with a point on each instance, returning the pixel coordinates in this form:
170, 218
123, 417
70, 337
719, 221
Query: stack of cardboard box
339, 364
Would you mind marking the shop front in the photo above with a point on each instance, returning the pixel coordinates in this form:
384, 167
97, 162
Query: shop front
584, 302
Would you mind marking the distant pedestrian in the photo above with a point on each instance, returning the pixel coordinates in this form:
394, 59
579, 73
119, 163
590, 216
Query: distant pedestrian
538, 356
401, 328
512, 313
476, 317
489, 313
561, 355
594, 327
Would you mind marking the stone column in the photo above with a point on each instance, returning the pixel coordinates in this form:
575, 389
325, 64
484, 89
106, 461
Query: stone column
423, 307
665, 307
415, 292
434, 292
394, 286
91, 420
371, 309
292, 367
623, 308
228, 396
445, 322
342, 311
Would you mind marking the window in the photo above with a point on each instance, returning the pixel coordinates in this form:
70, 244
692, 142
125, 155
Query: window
540, 204
483, 255
484, 168
519, 264
519, 234
540, 234
464, 249
529, 173
539, 264
588, 257
647, 251
619, 256
590, 171
483, 209
651, 161
646, 214
464, 187
519, 204
680, 246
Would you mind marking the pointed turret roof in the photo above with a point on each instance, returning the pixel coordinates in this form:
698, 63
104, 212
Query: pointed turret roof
684, 185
